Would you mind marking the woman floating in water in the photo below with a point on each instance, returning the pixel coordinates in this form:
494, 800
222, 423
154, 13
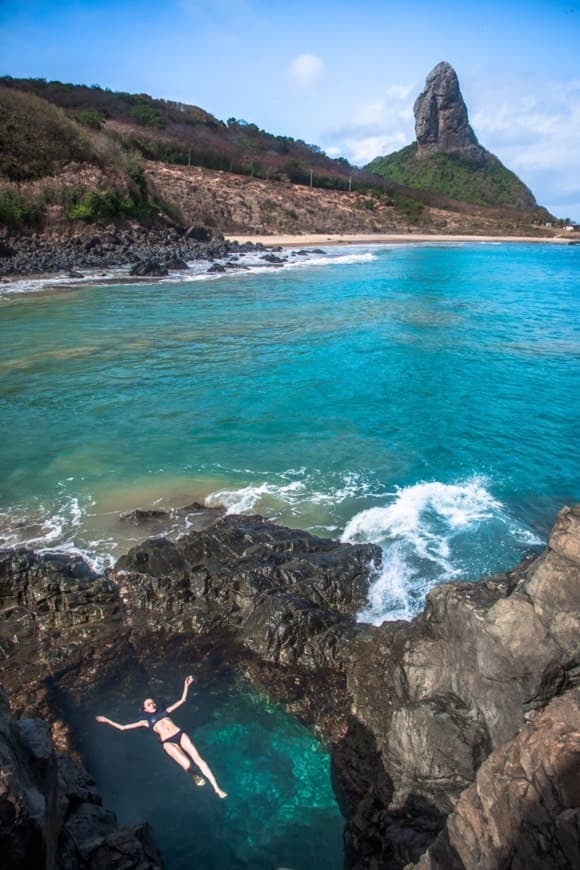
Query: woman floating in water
174, 741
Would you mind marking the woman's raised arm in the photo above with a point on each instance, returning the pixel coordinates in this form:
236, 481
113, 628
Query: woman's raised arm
104, 721
186, 684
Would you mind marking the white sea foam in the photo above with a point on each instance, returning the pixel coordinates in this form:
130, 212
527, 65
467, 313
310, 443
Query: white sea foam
431, 533
56, 529
245, 499
246, 264
330, 260
295, 489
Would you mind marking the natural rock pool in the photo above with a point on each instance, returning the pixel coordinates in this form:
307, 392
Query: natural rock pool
281, 810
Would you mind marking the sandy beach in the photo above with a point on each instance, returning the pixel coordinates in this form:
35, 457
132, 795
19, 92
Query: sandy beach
94, 275
380, 238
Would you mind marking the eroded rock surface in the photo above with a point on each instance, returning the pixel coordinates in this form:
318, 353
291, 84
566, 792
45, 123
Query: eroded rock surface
443, 692
278, 586
523, 811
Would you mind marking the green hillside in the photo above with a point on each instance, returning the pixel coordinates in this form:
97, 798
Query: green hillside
488, 184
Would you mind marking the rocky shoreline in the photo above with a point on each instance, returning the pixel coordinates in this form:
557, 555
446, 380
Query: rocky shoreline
151, 252
454, 738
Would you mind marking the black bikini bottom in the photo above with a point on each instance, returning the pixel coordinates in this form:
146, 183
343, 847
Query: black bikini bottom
175, 738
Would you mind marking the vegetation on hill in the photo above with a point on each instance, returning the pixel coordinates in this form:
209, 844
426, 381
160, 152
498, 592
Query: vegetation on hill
488, 184
37, 138
73, 153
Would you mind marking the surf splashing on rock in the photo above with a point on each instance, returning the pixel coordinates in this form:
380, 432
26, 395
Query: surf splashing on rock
433, 533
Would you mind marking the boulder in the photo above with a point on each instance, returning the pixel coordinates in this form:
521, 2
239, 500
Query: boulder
149, 268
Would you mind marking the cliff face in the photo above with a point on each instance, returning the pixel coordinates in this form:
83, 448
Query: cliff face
438, 718
441, 122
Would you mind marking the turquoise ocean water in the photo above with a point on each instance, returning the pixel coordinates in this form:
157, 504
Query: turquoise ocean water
423, 397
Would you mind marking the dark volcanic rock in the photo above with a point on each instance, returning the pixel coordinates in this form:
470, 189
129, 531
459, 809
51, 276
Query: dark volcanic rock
441, 122
202, 234
149, 268
54, 615
50, 813
219, 577
176, 263
273, 260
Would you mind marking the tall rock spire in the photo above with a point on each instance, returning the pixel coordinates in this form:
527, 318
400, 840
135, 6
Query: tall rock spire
441, 122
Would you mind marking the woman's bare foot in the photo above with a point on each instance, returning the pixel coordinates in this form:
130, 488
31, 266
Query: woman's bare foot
220, 793
198, 780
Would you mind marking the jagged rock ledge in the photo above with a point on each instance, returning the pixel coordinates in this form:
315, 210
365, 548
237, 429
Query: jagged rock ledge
418, 716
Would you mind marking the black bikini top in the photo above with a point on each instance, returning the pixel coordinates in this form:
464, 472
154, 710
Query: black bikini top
153, 718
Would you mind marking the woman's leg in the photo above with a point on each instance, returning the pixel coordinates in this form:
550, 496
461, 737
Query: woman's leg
178, 755
188, 746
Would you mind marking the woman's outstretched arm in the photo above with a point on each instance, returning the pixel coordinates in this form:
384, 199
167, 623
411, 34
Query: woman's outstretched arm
104, 721
187, 683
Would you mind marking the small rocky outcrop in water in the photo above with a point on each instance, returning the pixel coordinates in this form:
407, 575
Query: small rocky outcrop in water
441, 122
51, 815
436, 719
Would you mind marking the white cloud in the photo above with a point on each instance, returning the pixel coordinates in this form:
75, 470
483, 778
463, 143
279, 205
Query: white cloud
305, 70
534, 128
378, 127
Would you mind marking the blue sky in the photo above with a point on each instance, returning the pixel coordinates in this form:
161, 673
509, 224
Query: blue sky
342, 75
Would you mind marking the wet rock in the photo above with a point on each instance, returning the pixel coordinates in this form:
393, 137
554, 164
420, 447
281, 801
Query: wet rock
273, 259
55, 614
215, 577
138, 517
216, 267
176, 264
149, 268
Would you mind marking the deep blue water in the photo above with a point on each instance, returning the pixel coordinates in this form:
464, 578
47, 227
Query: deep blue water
421, 396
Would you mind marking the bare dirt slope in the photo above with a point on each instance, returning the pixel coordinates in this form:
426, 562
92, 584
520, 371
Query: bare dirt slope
241, 204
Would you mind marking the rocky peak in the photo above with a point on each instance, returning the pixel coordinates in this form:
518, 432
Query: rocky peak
441, 121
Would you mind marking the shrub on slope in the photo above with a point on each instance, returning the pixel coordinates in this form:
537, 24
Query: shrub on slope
37, 138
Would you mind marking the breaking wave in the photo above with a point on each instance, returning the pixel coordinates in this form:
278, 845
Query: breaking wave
433, 533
